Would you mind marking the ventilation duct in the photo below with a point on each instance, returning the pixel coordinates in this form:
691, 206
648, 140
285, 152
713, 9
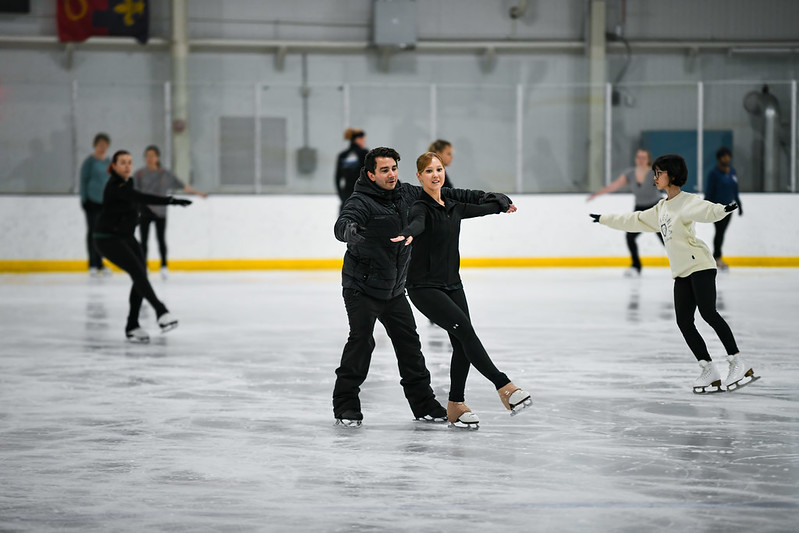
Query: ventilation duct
765, 110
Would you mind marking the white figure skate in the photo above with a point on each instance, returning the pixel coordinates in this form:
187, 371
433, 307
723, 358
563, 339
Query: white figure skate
137, 335
167, 322
515, 399
460, 416
709, 381
740, 374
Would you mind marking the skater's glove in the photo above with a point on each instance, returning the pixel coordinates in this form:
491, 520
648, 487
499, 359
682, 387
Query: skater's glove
351, 234
595, 217
732, 206
503, 201
179, 201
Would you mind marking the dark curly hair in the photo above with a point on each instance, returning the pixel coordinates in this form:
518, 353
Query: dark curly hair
370, 163
674, 165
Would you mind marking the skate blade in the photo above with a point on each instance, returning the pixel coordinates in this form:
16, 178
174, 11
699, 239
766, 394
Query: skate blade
134, 340
519, 407
463, 425
748, 378
710, 389
344, 422
169, 327
713, 388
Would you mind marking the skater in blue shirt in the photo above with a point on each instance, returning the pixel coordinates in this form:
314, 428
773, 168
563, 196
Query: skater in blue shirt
93, 177
722, 188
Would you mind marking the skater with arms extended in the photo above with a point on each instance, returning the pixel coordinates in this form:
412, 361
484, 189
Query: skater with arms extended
154, 179
639, 179
692, 266
373, 280
435, 287
114, 238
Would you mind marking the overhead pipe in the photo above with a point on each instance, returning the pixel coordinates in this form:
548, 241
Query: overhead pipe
773, 47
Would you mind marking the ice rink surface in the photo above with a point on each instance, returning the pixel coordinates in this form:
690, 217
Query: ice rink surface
225, 424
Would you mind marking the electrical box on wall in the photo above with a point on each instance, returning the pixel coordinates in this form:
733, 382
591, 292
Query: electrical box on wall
395, 23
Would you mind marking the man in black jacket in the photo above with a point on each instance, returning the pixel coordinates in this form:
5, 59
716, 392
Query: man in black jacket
373, 278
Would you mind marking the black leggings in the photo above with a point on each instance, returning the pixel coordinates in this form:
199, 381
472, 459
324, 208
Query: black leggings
147, 216
631, 244
449, 310
699, 290
125, 252
718, 240
92, 211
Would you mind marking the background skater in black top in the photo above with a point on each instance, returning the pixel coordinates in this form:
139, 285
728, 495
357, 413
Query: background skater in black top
373, 278
349, 163
435, 288
114, 238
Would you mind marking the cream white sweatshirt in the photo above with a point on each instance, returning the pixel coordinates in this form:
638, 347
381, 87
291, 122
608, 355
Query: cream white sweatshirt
675, 219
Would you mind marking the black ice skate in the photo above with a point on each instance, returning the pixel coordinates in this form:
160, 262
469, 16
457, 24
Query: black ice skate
436, 415
349, 418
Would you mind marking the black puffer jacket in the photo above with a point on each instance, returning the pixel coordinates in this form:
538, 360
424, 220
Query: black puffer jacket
376, 266
121, 203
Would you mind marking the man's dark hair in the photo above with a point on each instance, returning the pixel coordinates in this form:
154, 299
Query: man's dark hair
674, 166
722, 152
101, 137
370, 163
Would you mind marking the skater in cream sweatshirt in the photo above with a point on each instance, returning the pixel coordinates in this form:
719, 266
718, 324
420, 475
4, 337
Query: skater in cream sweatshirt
692, 266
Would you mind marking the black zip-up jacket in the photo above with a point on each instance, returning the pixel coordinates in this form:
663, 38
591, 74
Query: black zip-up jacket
121, 204
436, 228
376, 266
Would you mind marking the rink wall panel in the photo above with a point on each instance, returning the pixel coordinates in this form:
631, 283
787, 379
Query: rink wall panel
47, 233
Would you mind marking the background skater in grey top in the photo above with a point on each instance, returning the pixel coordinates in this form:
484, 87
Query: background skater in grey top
152, 179
640, 179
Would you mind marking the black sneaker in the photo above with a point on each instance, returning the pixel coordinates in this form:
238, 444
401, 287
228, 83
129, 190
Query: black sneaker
435, 414
349, 418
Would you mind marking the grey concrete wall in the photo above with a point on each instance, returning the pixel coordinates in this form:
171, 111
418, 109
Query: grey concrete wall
122, 91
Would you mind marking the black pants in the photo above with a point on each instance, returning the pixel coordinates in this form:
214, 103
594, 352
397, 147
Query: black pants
397, 317
92, 211
148, 216
449, 310
631, 244
699, 290
718, 240
125, 252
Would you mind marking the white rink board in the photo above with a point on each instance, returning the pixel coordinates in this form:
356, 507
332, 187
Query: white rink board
297, 227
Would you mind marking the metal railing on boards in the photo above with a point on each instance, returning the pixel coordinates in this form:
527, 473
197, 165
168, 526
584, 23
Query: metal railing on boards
435, 93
